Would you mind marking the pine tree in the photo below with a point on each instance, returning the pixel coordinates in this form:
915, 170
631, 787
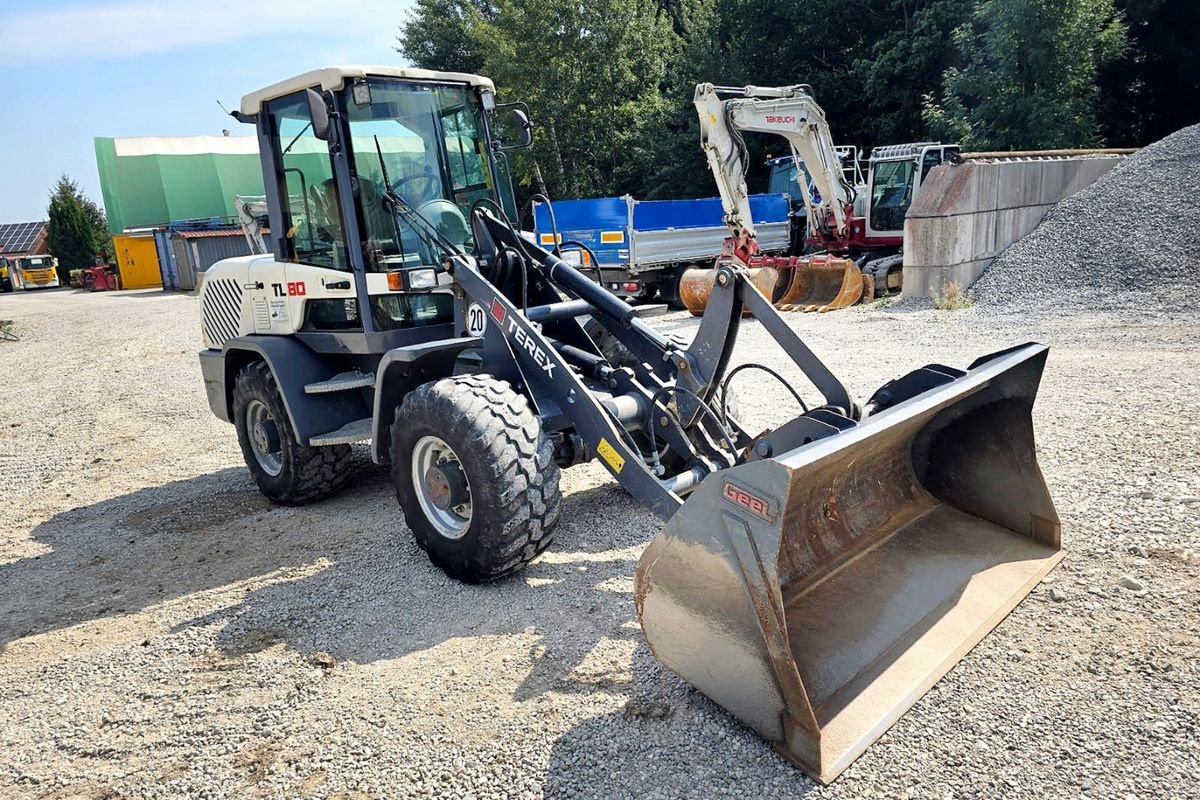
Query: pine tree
71, 236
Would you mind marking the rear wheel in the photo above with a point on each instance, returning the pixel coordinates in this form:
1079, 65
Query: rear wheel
475, 476
674, 301
286, 471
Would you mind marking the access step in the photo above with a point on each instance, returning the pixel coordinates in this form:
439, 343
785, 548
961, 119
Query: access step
351, 432
341, 382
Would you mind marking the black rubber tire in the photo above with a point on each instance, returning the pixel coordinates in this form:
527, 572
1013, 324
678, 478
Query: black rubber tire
309, 473
509, 466
674, 301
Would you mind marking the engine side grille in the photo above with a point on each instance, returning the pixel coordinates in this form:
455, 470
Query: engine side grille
222, 310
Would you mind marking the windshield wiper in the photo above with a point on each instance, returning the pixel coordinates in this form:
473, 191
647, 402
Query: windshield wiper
430, 232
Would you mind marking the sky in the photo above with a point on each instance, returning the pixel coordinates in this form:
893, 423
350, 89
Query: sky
72, 70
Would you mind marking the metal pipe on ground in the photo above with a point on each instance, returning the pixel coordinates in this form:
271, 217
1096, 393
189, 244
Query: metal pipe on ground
696, 286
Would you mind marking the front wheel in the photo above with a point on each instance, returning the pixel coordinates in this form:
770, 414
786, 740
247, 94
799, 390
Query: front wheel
475, 476
286, 471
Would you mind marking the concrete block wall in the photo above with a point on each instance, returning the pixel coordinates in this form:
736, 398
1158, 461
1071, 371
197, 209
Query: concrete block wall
966, 214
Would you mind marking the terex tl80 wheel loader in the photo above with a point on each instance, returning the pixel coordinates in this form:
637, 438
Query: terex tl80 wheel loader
814, 579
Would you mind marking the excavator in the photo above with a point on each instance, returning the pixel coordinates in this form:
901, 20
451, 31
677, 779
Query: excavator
860, 236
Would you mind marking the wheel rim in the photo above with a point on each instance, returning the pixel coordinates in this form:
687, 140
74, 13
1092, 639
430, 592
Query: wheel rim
441, 487
263, 434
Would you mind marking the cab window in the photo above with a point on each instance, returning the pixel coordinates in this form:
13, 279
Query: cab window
312, 218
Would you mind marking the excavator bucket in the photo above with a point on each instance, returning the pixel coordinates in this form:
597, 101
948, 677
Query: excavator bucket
819, 283
695, 286
819, 593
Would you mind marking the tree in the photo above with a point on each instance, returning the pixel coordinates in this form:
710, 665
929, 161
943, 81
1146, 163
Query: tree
1028, 74
591, 73
1154, 89
98, 221
904, 64
437, 34
71, 235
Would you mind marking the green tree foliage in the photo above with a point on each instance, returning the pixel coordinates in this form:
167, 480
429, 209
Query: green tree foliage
71, 234
592, 73
904, 64
1154, 88
610, 83
1029, 74
437, 34
98, 221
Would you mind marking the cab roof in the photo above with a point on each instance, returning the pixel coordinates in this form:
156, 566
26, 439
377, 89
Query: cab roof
335, 78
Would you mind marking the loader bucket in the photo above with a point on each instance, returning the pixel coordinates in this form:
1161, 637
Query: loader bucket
818, 594
819, 283
696, 285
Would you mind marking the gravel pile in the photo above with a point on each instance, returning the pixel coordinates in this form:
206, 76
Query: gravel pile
1130, 241
166, 632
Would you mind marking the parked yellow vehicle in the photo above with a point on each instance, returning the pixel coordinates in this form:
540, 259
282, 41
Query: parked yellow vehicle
5, 280
34, 272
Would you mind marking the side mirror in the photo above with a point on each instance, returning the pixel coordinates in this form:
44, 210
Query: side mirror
524, 129
318, 112
517, 127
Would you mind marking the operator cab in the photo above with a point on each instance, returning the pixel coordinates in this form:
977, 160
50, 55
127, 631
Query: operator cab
371, 173
897, 173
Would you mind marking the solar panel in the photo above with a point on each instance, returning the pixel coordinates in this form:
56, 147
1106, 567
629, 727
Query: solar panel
18, 237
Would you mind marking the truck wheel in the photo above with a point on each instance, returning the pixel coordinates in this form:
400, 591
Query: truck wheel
475, 476
674, 301
287, 472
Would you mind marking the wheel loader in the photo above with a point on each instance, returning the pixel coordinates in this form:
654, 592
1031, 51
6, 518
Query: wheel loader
815, 579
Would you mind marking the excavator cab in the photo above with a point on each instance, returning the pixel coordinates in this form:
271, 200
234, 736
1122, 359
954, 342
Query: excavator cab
896, 175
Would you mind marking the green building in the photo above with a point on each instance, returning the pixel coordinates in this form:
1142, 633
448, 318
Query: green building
148, 181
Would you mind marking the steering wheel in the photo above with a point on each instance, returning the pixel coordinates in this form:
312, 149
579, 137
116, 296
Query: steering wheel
446, 217
428, 190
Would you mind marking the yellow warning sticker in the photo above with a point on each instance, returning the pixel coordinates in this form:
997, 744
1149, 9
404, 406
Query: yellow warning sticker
610, 456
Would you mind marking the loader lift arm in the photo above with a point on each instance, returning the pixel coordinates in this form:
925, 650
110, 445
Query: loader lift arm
671, 382
790, 112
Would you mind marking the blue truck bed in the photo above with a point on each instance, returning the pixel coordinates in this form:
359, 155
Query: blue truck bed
642, 244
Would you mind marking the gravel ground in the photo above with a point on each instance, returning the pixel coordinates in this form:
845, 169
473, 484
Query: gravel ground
166, 632
1127, 241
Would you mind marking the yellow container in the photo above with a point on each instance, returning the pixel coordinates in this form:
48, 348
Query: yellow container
137, 259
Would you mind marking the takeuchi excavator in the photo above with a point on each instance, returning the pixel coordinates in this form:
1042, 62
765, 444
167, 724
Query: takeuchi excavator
815, 578
857, 230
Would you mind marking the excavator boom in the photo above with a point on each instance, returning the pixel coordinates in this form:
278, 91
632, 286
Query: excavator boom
798, 283
790, 112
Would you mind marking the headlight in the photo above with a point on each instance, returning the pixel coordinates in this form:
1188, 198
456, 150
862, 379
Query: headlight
413, 280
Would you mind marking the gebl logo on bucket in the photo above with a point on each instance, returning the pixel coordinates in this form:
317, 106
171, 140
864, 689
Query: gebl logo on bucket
750, 502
